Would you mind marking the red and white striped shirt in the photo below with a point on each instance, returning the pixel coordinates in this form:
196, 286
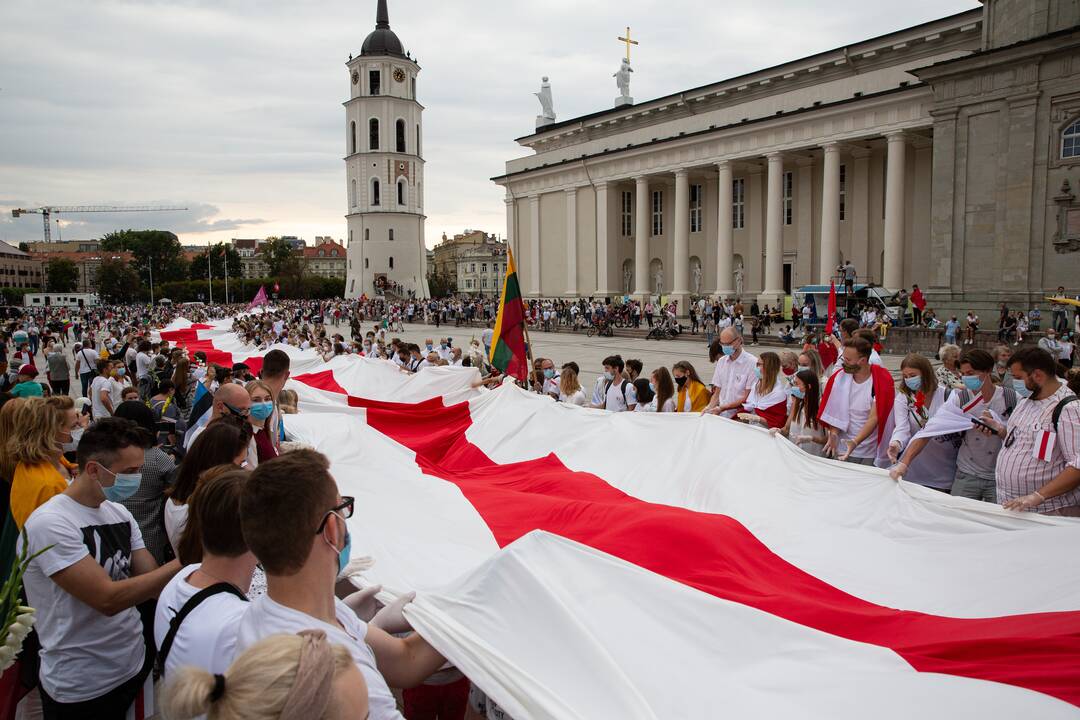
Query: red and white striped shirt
1019, 471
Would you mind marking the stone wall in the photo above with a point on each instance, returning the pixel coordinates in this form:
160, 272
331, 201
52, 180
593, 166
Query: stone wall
903, 340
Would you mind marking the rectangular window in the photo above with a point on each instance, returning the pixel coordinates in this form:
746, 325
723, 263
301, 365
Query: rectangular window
391, 234
472, 267
367, 234
738, 203
789, 182
843, 192
374, 82
483, 267
695, 208
627, 214
483, 283
658, 212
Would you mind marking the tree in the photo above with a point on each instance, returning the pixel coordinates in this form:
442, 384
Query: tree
157, 249
118, 282
61, 275
441, 285
276, 253
292, 272
218, 254
24, 246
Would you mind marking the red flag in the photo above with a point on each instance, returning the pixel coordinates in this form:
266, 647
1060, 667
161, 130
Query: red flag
276, 288
832, 308
260, 298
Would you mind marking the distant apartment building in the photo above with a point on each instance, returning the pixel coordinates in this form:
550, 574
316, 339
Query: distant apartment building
19, 269
474, 260
326, 259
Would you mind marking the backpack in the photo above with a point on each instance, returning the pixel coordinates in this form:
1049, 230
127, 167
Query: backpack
1058, 408
174, 625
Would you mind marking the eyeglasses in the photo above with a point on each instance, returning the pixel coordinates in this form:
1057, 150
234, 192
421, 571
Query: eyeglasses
345, 508
237, 411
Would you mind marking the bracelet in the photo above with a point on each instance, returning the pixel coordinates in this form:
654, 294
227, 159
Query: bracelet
1040, 495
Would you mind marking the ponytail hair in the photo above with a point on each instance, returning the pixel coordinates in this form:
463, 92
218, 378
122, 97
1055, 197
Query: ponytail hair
261, 681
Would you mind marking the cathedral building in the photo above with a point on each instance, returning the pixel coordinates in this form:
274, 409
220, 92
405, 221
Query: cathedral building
384, 168
945, 154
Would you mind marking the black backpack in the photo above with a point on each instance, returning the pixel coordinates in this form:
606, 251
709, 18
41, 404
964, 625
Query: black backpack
621, 387
174, 625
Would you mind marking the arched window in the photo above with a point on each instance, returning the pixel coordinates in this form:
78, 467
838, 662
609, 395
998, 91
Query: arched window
391, 262
400, 134
373, 134
401, 193
355, 200
1070, 141
352, 136
375, 191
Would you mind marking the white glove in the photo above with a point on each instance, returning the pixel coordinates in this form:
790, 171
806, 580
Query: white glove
804, 439
363, 602
894, 451
392, 618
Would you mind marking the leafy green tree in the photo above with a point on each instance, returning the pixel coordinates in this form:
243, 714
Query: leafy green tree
25, 247
276, 253
157, 249
62, 275
118, 282
218, 254
441, 285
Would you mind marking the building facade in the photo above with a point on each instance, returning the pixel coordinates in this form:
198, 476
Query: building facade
88, 263
326, 259
931, 155
384, 168
19, 269
473, 260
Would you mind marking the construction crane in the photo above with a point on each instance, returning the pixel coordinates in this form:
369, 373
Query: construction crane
48, 211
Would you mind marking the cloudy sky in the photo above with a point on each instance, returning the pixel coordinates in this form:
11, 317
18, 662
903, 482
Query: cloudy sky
232, 108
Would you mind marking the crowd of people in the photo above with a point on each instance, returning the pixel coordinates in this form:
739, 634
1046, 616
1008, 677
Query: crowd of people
198, 546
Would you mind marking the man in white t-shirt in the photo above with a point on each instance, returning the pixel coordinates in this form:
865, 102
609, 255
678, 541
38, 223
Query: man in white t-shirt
734, 376
206, 636
101, 391
486, 337
294, 520
619, 394
86, 585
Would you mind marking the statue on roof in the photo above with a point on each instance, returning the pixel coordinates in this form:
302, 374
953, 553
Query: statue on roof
622, 80
547, 105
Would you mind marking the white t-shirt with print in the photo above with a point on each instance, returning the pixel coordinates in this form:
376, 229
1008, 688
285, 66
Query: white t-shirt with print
207, 637
84, 654
615, 401
265, 618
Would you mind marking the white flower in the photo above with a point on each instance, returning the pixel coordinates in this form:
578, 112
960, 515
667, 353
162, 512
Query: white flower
16, 633
7, 656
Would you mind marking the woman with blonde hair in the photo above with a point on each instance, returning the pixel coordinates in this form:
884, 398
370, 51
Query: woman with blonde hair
769, 395
262, 408
810, 359
570, 388
287, 402
43, 430
283, 677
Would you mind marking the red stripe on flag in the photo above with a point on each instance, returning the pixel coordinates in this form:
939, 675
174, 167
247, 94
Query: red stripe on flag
978, 399
720, 556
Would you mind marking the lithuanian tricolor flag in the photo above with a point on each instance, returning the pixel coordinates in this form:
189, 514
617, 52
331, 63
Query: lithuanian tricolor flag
508, 344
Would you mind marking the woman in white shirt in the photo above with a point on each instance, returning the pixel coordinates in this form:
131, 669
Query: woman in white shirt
570, 391
768, 396
918, 398
662, 384
803, 427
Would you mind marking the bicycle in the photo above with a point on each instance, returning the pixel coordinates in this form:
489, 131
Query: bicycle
602, 330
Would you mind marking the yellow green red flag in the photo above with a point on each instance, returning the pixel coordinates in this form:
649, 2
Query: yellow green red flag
508, 353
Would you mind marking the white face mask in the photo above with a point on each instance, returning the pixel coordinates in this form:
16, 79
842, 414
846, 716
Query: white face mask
76, 435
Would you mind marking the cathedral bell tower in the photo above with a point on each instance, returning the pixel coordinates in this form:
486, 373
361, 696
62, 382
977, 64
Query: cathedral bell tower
384, 170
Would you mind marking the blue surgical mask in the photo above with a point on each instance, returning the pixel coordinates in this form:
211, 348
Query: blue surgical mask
345, 552
608, 375
728, 349
796, 392
913, 383
429, 346
261, 410
124, 486
549, 373
972, 382
121, 371
757, 371
1020, 388
652, 387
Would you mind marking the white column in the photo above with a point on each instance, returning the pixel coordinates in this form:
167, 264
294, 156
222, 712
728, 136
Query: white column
725, 234
603, 241
534, 246
774, 230
894, 212
830, 214
511, 230
642, 211
571, 242
682, 236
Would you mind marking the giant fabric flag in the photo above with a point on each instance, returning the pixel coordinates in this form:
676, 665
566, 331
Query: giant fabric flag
700, 569
508, 353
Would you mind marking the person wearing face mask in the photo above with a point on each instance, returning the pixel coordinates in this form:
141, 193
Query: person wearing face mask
976, 458
550, 385
42, 431
92, 571
1038, 468
691, 395
262, 408
768, 399
803, 427
856, 405
918, 400
296, 523
734, 375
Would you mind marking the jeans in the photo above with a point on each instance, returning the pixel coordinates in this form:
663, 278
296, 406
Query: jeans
1061, 324
974, 487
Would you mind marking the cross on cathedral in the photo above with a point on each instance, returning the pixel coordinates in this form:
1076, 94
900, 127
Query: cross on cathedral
628, 42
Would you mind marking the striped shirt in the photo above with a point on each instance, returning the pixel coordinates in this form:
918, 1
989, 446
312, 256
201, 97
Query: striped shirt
1019, 472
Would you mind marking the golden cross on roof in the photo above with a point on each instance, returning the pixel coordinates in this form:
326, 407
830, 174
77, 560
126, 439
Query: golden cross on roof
628, 42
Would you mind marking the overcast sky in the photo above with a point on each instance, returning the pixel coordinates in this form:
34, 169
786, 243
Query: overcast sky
233, 108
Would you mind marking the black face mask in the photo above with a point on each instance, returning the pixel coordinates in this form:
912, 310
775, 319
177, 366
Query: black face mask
680, 381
